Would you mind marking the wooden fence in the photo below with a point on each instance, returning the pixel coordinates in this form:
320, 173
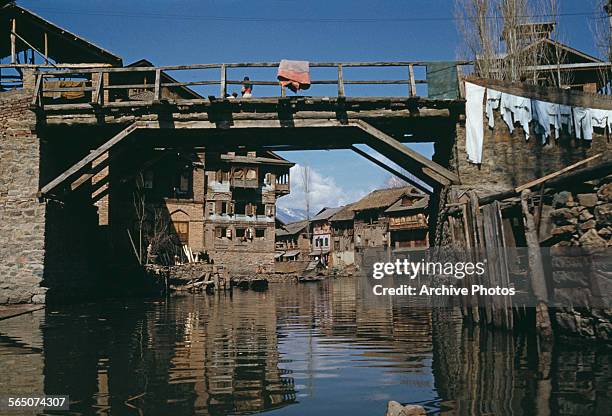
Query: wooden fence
101, 84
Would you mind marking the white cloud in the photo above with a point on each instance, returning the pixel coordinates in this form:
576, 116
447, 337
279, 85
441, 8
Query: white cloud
324, 191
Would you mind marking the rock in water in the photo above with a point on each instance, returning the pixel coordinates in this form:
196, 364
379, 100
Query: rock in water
396, 409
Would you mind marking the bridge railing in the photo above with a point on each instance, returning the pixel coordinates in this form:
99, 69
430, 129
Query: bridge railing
143, 85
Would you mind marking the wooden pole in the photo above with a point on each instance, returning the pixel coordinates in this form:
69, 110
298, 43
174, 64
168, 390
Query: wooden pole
340, 82
46, 49
13, 41
223, 91
412, 90
538, 279
157, 91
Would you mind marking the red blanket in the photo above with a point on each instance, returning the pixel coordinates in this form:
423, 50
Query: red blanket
294, 74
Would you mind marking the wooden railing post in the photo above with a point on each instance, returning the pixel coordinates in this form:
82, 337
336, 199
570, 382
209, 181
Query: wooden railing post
460, 80
37, 98
223, 91
412, 89
283, 91
340, 81
13, 41
96, 97
157, 90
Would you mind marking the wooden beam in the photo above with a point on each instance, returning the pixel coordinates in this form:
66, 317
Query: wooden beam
434, 171
46, 49
555, 174
389, 169
74, 169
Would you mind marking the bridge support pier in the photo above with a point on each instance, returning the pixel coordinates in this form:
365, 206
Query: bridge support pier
47, 248
22, 216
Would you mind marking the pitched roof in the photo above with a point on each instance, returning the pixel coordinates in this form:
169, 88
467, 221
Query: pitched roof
292, 228
326, 213
64, 47
419, 204
383, 198
345, 214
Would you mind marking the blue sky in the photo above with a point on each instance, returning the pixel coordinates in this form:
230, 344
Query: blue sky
174, 32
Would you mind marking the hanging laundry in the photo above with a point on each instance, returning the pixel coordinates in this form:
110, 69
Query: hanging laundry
564, 118
544, 115
516, 109
294, 74
599, 118
493, 99
474, 122
583, 123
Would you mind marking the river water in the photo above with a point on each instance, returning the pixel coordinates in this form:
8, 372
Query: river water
296, 349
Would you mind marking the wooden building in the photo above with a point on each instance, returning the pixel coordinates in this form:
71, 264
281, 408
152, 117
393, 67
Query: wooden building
322, 235
29, 40
293, 241
343, 237
408, 221
551, 60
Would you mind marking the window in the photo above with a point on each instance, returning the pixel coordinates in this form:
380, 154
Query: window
224, 207
240, 232
211, 208
337, 245
184, 182
182, 231
270, 210
261, 209
221, 232
326, 242
260, 232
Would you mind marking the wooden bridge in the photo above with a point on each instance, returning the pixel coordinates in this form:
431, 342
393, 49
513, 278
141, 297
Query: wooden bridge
150, 106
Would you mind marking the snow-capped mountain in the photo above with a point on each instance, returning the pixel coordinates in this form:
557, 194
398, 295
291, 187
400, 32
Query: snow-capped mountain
288, 215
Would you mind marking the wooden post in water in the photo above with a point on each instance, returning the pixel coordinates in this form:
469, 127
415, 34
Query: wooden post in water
536, 268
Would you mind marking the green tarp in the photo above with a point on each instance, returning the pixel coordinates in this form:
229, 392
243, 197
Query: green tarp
442, 82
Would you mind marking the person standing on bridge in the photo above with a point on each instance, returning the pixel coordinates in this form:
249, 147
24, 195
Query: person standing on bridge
247, 88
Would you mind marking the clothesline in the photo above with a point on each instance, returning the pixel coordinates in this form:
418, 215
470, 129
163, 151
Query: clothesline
522, 110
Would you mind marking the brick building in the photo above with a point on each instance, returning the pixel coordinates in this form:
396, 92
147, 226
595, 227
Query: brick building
220, 205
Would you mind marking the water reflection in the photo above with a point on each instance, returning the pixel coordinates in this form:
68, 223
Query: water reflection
293, 350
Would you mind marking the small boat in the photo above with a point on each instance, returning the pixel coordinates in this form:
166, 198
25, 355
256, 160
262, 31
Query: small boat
309, 279
259, 284
242, 284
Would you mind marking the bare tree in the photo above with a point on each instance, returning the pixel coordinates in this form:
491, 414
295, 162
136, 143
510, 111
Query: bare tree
504, 37
600, 27
140, 213
478, 25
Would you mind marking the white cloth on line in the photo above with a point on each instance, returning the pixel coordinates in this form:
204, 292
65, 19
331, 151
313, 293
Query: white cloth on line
516, 109
583, 123
493, 99
544, 115
474, 122
564, 117
600, 118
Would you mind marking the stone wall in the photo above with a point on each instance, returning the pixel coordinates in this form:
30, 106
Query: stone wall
22, 216
47, 248
509, 160
581, 229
